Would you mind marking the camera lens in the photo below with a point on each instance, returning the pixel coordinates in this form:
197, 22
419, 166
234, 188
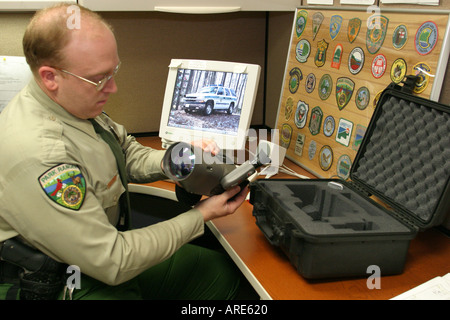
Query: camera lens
183, 162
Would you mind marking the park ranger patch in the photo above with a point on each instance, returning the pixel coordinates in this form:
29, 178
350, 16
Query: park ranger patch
286, 134
302, 50
315, 121
344, 91
426, 38
376, 32
300, 25
325, 158
317, 20
400, 36
294, 81
321, 54
335, 26
65, 185
354, 26
362, 98
337, 56
356, 60
301, 114
398, 70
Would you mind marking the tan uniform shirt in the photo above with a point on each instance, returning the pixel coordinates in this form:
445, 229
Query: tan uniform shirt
40, 143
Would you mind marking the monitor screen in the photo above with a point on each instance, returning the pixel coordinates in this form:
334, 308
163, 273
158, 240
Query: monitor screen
209, 99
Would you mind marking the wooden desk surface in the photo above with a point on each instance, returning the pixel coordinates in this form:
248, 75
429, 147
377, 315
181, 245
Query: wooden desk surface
428, 257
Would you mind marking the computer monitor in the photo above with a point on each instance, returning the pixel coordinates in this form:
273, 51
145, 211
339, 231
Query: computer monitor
209, 100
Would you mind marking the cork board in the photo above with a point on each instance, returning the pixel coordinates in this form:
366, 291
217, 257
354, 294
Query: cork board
337, 68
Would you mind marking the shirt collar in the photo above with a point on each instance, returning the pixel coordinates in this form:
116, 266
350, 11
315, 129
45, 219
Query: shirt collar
58, 110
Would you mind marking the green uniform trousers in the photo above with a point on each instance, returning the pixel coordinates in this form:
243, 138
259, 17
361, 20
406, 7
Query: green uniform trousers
192, 273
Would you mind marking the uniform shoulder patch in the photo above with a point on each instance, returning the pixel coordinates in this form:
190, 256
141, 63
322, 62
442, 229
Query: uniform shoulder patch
65, 185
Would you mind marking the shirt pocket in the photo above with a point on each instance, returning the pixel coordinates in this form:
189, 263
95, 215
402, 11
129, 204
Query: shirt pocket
111, 192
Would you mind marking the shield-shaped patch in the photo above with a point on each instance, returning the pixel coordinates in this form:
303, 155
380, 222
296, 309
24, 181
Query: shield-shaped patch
354, 26
344, 91
376, 32
65, 185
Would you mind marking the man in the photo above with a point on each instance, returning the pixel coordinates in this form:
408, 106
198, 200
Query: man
60, 183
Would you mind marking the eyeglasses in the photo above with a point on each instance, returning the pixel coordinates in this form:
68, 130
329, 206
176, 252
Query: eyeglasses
100, 84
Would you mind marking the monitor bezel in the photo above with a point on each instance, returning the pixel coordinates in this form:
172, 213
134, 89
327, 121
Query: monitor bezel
170, 134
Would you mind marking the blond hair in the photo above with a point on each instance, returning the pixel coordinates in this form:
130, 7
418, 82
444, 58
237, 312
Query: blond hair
48, 33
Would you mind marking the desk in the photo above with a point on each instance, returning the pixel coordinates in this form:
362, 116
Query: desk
273, 277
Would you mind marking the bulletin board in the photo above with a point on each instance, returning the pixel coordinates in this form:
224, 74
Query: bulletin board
339, 61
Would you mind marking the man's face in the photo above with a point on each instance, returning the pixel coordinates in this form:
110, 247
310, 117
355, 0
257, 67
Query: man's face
91, 54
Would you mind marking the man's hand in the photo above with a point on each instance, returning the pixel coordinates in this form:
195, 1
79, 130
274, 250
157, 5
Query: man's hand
222, 204
207, 145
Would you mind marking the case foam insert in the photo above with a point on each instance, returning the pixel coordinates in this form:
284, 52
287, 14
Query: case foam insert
406, 156
319, 209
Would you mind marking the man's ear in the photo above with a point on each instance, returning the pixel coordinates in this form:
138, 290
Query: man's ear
48, 77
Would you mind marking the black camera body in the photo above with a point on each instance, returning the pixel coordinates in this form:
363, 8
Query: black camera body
201, 173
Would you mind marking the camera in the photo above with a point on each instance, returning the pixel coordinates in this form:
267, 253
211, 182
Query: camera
202, 173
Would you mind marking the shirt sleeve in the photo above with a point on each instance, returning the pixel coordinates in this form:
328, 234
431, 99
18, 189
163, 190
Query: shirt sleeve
84, 237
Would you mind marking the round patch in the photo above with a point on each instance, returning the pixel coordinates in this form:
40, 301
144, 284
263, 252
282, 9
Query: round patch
356, 60
362, 98
423, 71
302, 50
344, 165
379, 66
310, 83
398, 70
377, 97
301, 114
325, 158
328, 126
72, 196
400, 37
325, 86
426, 38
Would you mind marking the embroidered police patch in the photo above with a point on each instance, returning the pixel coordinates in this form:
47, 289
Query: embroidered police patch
65, 185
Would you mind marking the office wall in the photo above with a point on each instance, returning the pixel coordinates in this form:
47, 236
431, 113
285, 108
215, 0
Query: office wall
148, 40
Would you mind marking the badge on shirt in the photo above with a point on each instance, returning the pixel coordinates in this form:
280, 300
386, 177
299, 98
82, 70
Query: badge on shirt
65, 185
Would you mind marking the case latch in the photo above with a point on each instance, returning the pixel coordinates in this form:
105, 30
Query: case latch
409, 83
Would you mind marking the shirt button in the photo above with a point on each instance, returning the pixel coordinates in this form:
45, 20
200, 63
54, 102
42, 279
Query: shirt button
52, 117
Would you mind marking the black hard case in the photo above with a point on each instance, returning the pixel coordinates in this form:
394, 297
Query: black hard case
399, 185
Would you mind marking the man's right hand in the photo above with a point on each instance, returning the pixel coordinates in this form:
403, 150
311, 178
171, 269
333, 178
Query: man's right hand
222, 204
